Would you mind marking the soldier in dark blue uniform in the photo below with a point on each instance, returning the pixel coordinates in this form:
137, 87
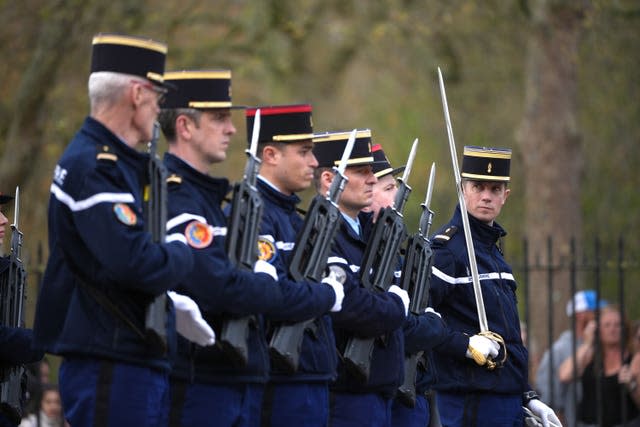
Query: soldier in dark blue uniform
104, 268
301, 398
421, 332
15, 342
365, 313
208, 387
470, 394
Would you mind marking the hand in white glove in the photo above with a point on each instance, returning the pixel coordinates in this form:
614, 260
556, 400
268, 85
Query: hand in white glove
480, 348
338, 289
264, 267
546, 414
404, 296
189, 321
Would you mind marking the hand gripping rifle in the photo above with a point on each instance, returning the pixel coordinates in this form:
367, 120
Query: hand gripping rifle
473, 265
242, 246
379, 261
155, 198
416, 278
12, 296
309, 260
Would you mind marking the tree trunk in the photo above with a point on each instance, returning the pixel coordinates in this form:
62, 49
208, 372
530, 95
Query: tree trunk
551, 155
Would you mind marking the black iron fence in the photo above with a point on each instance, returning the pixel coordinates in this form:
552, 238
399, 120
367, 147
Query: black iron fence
548, 279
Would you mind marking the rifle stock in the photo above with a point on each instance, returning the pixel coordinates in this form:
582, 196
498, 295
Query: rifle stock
309, 262
156, 223
242, 248
12, 297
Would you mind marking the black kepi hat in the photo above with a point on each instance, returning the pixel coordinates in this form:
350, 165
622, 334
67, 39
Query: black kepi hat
129, 55
5, 198
329, 147
198, 89
281, 123
381, 165
486, 164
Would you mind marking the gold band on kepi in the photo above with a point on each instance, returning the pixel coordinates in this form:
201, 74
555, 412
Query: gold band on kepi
129, 55
199, 89
329, 146
486, 164
282, 123
381, 165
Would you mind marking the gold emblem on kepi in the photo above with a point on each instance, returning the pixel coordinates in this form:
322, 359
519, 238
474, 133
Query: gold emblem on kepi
489, 167
125, 214
266, 249
199, 235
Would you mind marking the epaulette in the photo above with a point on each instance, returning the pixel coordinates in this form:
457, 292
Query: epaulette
174, 179
446, 235
104, 154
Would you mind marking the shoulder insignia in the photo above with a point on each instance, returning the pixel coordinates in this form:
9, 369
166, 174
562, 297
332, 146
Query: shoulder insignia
104, 154
266, 249
198, 234
125, 214
174, 179
446, 235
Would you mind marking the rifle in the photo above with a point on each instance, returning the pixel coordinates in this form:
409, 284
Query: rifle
12, 297
376, 271
242, 247
155, 197
309, 260
416, 278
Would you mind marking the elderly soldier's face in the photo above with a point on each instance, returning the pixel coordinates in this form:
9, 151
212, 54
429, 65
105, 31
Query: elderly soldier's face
484, 199
212, 136
146, 99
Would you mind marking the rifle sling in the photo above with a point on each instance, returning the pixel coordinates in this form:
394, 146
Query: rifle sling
108, 305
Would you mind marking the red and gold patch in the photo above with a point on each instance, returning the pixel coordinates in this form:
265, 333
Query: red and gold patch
266, 249
125, 214
198, 234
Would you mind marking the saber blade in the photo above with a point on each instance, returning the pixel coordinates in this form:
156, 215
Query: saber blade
477, 290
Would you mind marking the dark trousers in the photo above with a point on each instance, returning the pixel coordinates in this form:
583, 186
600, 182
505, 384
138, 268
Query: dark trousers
100, 393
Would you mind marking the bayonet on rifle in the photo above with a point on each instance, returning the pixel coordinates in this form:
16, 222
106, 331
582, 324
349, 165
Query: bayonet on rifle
242, 246
416, 279
12, 297
309, 259
378, 265
156, 223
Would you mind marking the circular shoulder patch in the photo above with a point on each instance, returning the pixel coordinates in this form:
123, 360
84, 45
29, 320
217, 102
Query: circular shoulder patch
266, 249
125, 214
198, 234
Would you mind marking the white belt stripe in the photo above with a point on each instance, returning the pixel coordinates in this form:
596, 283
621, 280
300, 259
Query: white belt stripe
467, 279
175, 237
184, 217
87, 203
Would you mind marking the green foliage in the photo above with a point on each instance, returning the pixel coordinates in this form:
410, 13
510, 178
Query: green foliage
361, 64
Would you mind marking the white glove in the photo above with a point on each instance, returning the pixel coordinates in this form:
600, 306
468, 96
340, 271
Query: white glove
431, 310
338, 289
404, 296
264, 267
546, 414
480, 348
189, 321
